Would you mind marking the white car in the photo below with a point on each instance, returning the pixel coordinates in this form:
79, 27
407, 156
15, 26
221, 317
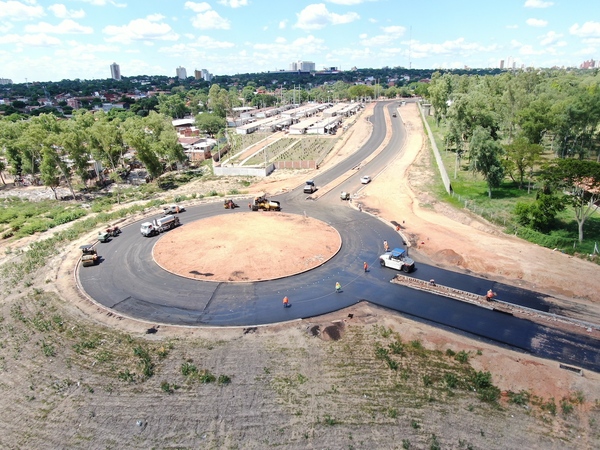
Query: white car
365, 180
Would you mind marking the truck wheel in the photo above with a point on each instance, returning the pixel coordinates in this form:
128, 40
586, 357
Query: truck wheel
382, 262
405, 268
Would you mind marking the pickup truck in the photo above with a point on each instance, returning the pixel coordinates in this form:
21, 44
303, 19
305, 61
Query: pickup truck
309, 187
173, 209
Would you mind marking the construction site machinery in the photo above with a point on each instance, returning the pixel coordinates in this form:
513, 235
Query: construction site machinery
345, 196
397, 259
230, 204
266, 205
89, 256
159, 225
113, 231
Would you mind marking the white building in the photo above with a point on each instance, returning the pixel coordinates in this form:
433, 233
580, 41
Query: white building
115, 71
302, 66
181, 73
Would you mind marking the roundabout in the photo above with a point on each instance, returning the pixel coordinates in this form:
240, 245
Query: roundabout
246, 247
234, 269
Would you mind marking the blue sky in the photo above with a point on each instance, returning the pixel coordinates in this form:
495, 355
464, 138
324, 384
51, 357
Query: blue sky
49, 41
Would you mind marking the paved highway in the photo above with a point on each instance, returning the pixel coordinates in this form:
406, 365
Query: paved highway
129, 282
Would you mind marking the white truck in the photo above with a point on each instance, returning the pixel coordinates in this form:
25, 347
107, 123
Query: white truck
309, 187
173, 209
397, 259
159, 225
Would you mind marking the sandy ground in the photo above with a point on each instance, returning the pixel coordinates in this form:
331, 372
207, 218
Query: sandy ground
257, 246
287, 380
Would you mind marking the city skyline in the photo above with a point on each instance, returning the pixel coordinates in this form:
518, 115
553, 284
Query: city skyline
79, 39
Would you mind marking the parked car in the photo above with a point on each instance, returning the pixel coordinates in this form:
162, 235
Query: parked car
365, 179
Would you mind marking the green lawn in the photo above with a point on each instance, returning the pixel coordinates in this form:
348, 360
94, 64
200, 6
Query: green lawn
470, 191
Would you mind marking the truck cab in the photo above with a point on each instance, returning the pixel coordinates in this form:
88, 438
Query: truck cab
397, 259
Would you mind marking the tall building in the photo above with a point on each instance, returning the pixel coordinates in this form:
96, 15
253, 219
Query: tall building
501, 64
302, 66
181, 73
115, 71
197, 74
206, 75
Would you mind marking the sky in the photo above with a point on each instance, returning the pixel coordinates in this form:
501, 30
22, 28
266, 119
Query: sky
79, 39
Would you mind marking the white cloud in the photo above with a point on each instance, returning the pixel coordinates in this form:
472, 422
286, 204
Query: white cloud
537, 4
512, 27
62, 12
5, 27
280, 40
18, 11
140, 30
283, 50
197, 7
550, 38
33, 40
210, 20
282, 24
587, 51
67, 26
389, 35
588, 29
78, 51
105, 2
207, 18
536, 22
316, 16
457, 46
233, 3
348, 2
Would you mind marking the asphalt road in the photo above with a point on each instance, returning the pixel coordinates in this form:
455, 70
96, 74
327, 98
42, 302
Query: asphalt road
129, 282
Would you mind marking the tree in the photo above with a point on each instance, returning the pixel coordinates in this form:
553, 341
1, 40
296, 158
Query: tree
210, 123
580, 181
485, 155
2, 169
541, 214
172, 105
521, 156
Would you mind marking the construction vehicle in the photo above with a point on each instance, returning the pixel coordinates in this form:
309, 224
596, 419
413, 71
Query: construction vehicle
159, 225
309, 187
345, 195
113, 231
397, 259
230, 204
173, 209
89, 256
266, 205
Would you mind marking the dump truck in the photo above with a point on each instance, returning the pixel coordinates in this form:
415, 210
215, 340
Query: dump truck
89, 255
159, 225
397, 259
266, 205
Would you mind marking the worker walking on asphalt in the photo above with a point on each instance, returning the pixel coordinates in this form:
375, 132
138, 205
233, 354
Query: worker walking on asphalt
338, 287
386, 247
286, 302
366, 267
490, 295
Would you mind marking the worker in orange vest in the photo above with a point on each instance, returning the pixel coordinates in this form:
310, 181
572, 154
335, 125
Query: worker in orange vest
286, 302
365, 266
490, 295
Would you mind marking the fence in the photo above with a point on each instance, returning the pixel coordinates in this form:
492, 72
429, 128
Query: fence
436, 152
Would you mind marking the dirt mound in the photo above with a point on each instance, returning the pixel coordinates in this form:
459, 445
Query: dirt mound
449, 256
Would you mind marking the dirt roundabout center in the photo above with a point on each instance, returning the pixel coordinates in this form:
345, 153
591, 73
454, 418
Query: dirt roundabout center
247, 247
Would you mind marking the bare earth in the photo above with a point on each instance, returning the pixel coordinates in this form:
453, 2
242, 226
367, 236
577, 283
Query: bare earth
257, 246
289, 383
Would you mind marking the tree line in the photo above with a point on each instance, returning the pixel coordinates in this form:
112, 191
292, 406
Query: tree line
506, 125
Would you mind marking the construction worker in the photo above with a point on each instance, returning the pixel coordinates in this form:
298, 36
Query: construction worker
365, 266
490, 295
286, 302
338, 287
386, 247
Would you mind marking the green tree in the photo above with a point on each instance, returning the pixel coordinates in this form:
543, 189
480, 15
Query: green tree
485, 155
2, 169
541, 214
210, 123
172, 105
521, 156
580, 181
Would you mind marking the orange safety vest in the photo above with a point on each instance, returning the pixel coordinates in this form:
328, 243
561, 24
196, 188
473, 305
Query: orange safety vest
285, 300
